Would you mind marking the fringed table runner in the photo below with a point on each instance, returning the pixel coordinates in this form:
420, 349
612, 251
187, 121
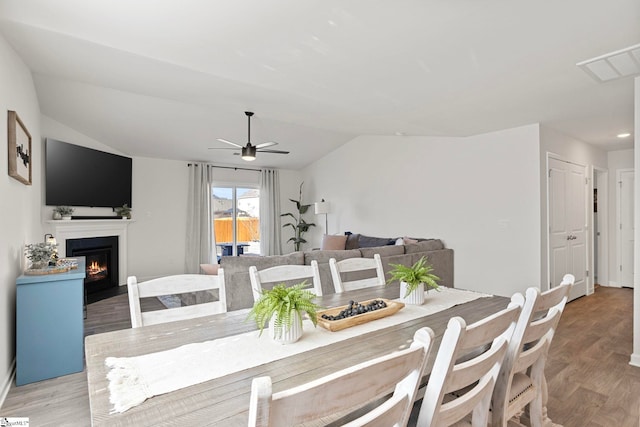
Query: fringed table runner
132, 380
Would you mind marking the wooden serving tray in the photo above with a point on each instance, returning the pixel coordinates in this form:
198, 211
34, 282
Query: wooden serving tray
336, 325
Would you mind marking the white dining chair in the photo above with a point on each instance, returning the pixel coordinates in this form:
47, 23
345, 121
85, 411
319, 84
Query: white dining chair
173, 285
284, 273
465, 369
521, 383
353, 265
396, 375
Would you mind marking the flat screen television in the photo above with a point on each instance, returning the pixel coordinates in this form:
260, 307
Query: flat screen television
81, 176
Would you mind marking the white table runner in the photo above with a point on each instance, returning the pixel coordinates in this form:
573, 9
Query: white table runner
132, 380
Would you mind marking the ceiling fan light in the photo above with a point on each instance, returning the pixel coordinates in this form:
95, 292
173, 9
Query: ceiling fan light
249, 153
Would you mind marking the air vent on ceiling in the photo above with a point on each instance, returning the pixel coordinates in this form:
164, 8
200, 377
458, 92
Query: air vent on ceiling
615, 65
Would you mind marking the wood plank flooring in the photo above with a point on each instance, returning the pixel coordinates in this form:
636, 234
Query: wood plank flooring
591, 383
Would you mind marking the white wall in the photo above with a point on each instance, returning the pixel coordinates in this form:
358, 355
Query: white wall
479, 194
622, 159
20, 214
565, 148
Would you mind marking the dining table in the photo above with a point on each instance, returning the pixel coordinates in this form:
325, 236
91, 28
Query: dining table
224, 401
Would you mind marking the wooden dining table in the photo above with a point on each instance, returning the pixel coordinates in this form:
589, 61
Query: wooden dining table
225, 401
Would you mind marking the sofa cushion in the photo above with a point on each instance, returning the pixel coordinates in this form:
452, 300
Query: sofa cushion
211, 269
323, 256
236, 273
368, 241
333, 242
383, 251
323, 264
425, 245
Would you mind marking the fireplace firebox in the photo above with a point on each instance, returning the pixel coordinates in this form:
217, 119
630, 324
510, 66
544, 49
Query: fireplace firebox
101, 255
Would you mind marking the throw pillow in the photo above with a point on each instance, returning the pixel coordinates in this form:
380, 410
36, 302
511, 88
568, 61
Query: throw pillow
399, 241
333, 242
369, 242
211, 269
408, 240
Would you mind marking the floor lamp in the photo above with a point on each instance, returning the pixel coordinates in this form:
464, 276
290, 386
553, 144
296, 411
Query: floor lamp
323, 208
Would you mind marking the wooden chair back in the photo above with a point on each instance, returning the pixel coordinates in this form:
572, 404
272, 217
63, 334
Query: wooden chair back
284, 273
350, 265
466, 367
397, 375
173, 285
521, 381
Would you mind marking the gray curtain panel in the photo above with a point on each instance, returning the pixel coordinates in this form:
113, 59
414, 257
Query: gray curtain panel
200, 239
270, 235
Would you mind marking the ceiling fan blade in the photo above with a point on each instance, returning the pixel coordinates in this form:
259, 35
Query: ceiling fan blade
266, 144
229, 142
273, 151
222, 148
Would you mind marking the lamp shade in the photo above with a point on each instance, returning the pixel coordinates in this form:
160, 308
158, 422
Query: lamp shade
322, 207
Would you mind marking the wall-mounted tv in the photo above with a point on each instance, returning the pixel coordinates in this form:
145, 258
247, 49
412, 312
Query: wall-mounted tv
81, 176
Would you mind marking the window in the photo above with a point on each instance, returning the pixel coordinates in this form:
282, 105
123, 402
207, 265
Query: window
236, 220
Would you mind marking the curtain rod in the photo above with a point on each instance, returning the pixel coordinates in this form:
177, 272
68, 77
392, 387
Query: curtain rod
228, 167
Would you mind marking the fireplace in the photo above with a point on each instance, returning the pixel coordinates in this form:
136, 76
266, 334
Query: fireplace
101, 261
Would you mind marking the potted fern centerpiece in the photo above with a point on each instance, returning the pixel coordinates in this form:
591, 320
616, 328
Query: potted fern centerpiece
282, 307
413, 280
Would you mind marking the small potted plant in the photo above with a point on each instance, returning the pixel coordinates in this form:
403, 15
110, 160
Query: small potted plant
282, 307
40, 254
124, 211
413, 280
65, 212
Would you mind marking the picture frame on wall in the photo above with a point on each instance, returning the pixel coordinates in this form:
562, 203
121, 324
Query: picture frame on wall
19, 145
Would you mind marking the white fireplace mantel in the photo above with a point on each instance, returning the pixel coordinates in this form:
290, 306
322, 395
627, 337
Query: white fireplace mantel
85, 228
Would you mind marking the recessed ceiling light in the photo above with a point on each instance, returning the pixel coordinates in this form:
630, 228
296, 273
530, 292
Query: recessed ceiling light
624, 135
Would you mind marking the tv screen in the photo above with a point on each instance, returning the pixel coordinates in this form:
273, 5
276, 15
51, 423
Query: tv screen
80, 176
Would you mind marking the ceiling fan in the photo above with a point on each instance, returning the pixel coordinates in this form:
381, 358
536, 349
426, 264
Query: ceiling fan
248, 152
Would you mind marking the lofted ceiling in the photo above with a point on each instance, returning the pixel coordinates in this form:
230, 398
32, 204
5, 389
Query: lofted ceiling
166, 78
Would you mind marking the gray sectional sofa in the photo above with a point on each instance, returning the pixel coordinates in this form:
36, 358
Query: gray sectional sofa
236, 268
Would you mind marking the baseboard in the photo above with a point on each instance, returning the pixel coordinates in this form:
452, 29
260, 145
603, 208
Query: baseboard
6, 384
635, 360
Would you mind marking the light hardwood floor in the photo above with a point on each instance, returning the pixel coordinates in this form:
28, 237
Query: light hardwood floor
591, 383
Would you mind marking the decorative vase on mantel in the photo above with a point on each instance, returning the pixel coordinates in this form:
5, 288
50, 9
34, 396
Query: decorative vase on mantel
416, 297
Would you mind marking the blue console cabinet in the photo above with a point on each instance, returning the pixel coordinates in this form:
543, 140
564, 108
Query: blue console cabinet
49, 325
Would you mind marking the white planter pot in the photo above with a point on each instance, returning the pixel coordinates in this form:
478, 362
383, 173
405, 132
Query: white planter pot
285, 335
416, 297
66, 217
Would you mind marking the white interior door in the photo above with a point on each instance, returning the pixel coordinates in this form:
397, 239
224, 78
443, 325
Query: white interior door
567, 224
626, 228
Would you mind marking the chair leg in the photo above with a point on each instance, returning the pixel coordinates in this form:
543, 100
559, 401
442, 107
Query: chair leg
535, 414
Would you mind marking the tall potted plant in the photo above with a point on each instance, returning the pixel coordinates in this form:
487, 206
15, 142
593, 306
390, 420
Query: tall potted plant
299, 225
282, 308
413, 280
